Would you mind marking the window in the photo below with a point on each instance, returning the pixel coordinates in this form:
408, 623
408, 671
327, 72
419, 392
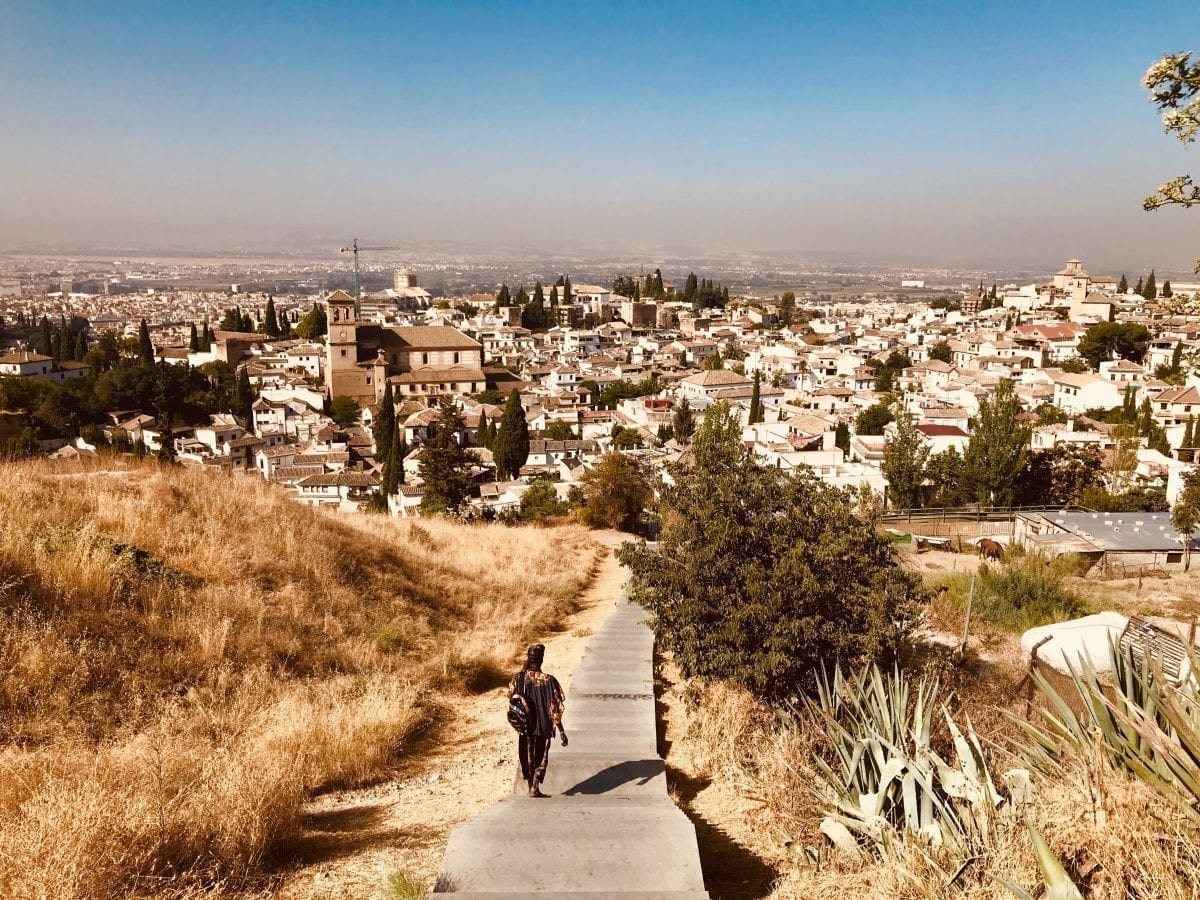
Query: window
456, 358
343, 353
424, 359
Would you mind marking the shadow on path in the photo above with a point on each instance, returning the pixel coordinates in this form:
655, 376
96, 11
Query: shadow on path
640, 770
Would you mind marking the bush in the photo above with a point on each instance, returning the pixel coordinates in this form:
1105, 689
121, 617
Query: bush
541, 501
1023, 593
615, 493
759, 578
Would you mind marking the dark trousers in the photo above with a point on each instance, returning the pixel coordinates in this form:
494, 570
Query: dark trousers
535, 754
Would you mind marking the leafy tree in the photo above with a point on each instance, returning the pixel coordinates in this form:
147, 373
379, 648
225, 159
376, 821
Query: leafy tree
941, 351
511, 448
1107, 340
343, 410
904, 458
997, 450
885, 380
841, 437
1185, 515
232, 320
711, 363
872, 419
1166, 291
1123, 285
756, 407
1076, 365
751, 578
558, 430
315, 323
271, 321
244, 397
683, 422
1049, 414
145, 348
616, 491
944, 471
540, 501
503, 298
446, 465
1136, 499
690, 287
1061, 475
383, 428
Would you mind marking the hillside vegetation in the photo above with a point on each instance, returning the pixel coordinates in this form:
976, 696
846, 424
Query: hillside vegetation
185, 656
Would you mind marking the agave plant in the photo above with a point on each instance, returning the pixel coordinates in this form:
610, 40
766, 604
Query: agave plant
1144, 723
888, 779
1059, 885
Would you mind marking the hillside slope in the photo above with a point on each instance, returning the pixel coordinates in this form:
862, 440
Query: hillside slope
186, 656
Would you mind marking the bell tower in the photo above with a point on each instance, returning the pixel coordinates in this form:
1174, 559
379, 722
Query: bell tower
341, 363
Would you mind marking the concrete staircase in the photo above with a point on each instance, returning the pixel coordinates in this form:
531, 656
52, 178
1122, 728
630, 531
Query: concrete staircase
608, 828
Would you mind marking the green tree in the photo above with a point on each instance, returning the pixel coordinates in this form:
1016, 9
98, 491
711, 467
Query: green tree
271, 321
558, 430
756, 407
194, 340
944, 471
1150, 290
616, 491
941, 351
503, 298
568, 293
1166, 291
81, 346
244, 396
752, 575
997, 450
872, 419
1123, 285
393, 469
343, 410
690, 287
1076, 365
1108, 340
841, 438
47, 341
787, 308
206, 338
885, 380
1137, 288
446, 465
540, 501
383, 428
511, 448
683, 422
713, 362
1060, 475
315, 323
904, 458
145, 348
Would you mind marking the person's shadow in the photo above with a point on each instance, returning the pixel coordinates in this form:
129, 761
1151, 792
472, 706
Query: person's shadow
643, 771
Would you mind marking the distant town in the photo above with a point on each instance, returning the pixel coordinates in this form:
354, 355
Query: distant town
283, 371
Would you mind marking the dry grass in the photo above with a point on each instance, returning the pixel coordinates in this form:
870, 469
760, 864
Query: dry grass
1117, 839
185, 656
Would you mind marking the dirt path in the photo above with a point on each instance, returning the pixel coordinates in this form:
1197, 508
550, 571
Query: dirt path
357, 839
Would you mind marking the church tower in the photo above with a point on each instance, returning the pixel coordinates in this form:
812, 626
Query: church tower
343, 376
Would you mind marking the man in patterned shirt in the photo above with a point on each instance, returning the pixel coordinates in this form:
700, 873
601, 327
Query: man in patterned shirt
545, 699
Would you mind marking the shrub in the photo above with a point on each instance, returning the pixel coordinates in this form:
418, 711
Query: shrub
761, 577
1025, 591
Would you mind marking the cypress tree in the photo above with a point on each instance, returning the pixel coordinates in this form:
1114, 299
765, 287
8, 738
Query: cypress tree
1166, 289
145, 348
483, 435
690, 287
392, 467
1189, 435
206, 337
81, 347
194, 340
511, 447
247, 324
554, 297
384, 427
1123, 285
1137, 288
756, 410
243, 395
503, 298
285, 326
1177, 356
1150, 291
568, 293
271, 322
47, 340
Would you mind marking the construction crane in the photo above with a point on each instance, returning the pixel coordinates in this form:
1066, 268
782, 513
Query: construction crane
355, 249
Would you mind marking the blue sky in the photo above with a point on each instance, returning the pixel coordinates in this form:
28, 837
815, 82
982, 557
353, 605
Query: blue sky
936, 131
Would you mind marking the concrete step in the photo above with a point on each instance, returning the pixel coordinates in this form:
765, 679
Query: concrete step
591, 774
575, 844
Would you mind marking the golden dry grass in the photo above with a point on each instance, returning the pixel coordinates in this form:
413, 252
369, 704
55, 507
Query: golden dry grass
1124, 843
184, 656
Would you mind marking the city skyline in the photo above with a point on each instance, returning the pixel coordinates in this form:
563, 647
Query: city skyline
938, 135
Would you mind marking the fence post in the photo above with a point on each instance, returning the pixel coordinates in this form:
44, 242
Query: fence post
962, 649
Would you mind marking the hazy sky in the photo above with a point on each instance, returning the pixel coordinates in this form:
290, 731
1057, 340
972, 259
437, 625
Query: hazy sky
961, 131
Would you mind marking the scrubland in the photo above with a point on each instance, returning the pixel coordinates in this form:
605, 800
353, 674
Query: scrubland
746, 771
186, 656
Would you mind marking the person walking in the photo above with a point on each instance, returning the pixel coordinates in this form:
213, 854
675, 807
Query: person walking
545, 699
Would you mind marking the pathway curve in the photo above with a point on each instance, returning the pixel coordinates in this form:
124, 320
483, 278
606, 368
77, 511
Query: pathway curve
608, 828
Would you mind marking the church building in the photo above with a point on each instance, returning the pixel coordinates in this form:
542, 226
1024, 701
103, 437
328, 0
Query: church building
420, 361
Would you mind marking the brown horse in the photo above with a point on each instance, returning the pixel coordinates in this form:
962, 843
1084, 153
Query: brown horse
989, 549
